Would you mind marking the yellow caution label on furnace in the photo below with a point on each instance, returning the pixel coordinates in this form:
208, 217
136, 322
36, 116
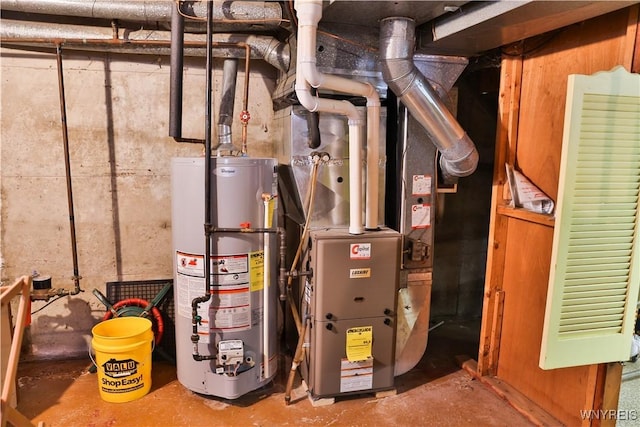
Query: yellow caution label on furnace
359, 341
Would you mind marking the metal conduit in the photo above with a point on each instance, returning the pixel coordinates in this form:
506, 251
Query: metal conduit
459, 156
241, 15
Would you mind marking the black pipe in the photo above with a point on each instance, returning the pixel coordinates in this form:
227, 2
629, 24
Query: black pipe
212, 229
313, 124
176, 73
207, 193
67, 166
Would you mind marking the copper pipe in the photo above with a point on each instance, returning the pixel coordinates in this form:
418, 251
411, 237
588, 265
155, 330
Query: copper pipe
67, 165
297, 359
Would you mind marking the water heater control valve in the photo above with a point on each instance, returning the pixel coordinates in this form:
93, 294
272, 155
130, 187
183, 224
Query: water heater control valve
230, 352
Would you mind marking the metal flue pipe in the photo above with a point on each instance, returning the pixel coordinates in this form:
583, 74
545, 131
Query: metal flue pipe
227, 102
459, 156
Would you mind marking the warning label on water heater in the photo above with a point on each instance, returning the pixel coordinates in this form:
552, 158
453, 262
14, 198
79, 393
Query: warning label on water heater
229, 308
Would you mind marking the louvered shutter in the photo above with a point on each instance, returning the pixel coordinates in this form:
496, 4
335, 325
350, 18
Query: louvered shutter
595, 264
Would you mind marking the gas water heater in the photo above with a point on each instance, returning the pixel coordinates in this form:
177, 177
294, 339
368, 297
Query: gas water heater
235, 351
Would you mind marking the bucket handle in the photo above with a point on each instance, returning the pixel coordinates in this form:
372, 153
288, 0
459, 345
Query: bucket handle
153, 347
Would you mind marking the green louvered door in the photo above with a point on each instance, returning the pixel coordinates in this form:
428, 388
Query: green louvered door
595, 264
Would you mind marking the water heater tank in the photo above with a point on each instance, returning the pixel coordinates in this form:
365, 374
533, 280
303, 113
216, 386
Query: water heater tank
237, 325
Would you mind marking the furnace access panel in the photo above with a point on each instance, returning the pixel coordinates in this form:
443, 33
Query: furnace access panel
352, 296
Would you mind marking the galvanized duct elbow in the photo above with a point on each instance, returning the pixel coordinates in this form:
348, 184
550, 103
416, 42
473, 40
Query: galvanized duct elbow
459, 156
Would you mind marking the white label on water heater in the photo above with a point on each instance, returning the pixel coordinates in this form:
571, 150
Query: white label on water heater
187, 288
360, 251
230, 306
189, 264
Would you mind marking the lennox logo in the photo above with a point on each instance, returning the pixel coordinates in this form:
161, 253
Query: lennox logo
359, 273
360, 251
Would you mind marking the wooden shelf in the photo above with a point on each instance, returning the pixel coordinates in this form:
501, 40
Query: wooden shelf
525, 215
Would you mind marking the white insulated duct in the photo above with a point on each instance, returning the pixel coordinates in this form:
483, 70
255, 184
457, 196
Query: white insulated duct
459, 156
152, 42
307, 75
247, 13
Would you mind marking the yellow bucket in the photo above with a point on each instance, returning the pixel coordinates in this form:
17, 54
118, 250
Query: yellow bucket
123, 348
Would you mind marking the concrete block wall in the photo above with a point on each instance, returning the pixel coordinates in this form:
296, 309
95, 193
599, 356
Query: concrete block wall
117, 117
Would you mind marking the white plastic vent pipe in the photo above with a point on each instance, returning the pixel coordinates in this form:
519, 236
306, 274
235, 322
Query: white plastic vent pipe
307, 75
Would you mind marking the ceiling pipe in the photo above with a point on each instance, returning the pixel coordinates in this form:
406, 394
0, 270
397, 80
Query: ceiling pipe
459, 156
309, 13
176, 73
239, 15
77, 37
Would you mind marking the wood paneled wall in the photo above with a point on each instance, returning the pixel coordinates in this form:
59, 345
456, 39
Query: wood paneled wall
530, 126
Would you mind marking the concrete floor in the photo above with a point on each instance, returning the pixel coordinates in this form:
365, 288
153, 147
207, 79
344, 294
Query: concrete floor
435, 393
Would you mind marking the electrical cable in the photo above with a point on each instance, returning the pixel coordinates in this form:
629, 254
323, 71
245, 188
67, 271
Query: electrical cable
46, 305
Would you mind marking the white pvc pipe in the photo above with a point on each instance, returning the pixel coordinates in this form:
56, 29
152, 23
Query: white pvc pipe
373, 158
266, 306
309, 13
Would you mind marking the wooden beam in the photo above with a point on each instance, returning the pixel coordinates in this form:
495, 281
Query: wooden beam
508, 110
21, 287
632, 41
498, 313
608, 389
536, 415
